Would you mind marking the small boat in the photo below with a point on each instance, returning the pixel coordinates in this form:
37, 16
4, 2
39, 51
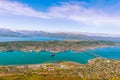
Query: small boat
10, 50
52, 54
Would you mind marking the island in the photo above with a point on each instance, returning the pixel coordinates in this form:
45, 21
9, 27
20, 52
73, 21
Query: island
54, 46
95, 69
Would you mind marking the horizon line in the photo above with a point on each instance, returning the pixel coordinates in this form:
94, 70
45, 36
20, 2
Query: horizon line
82, 33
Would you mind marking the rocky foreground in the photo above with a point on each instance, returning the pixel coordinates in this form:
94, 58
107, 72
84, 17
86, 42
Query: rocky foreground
96, 69
54, 46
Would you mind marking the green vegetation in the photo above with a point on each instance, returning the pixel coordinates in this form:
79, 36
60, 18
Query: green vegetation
96, 69
57, 46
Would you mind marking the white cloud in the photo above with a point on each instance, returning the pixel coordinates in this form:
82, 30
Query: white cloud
15, 8
69, 11
79, 13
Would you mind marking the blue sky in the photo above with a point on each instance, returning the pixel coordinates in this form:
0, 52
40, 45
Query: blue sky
91, 16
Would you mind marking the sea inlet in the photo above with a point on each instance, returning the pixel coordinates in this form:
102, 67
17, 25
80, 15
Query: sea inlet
23, 58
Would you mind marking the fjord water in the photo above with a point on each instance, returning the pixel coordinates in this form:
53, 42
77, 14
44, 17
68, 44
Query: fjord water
9, 39
108, 52
21, 58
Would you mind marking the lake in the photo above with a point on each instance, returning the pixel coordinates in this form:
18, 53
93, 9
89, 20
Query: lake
21, 58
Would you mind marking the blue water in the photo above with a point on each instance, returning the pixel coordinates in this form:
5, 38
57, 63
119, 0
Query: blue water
19, 57
109, 52
9, 39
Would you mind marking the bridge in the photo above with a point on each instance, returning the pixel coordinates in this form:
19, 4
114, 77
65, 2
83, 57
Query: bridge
93, 54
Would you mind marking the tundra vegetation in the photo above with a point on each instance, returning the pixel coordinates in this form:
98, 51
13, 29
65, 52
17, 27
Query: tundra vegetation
96, 69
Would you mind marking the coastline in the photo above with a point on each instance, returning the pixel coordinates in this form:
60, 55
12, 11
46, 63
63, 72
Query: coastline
47, 63
92, 70
57, 47
51, 51
54, 46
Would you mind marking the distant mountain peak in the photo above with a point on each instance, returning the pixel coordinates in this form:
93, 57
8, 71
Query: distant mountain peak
66, 35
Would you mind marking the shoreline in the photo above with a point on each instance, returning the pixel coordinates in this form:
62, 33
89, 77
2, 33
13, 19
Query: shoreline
54, 46
47, 63
51, 51
44, 64
93, 70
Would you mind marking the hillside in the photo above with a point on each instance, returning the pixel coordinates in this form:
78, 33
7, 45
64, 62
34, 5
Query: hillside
56, 46
96, 69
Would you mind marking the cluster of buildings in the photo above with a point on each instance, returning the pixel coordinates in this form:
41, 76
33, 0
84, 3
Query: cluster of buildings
48, 66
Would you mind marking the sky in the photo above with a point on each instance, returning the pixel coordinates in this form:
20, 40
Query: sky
91, 16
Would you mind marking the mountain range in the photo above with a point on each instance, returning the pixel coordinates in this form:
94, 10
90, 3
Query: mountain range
75, 36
